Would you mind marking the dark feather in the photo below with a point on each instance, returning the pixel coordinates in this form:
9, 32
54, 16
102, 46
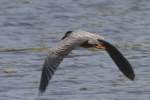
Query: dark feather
66, 34
119, 59
47, 72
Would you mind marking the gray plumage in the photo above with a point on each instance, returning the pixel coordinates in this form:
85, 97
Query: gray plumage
63, 48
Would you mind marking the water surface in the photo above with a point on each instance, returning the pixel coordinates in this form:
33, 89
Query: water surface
29, 27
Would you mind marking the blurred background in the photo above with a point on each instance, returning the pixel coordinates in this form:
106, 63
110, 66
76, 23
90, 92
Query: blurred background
29, 27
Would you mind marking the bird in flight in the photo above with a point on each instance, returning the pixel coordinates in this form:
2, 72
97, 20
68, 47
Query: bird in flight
79, 38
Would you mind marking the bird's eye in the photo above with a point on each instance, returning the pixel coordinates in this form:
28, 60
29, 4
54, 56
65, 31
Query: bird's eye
66, 34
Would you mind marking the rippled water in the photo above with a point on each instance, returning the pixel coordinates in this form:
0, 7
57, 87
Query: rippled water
29, 27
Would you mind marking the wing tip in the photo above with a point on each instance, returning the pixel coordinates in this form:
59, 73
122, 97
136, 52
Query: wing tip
43, 83
41, 91
120, 60
131, 76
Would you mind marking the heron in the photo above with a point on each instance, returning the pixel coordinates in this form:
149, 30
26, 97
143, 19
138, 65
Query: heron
79, 38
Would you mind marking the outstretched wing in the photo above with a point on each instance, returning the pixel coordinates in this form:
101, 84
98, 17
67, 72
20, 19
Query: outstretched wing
119, 59
50, 65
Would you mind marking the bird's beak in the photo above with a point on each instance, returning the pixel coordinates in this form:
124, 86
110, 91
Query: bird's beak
99, 46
